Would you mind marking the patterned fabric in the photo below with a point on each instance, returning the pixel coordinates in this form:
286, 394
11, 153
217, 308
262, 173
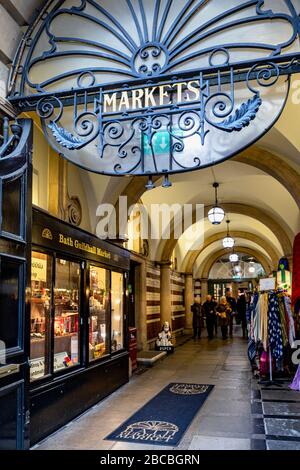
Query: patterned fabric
263, 308
291, 327
295, 385
283, 321
251, 350
256, 323
274, 327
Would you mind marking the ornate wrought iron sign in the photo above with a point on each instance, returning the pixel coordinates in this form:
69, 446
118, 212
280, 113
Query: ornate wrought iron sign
150, 87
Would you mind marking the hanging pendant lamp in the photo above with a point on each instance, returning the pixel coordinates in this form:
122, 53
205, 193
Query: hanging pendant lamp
228, 241
233, 257
251, 267
216, 213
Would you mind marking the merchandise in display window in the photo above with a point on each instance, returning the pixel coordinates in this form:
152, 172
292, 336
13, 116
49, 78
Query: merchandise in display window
99, 310
66, 314
117, 311
41, 272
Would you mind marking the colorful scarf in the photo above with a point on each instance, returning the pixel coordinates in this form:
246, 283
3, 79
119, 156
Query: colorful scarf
274, 327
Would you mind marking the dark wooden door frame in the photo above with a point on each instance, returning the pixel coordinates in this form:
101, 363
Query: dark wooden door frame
15, 247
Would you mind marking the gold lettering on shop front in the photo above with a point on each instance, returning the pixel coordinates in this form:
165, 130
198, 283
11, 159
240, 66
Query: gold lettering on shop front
83, 246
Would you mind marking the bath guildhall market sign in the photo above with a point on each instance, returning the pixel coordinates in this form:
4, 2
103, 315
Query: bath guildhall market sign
156, 87
51, 233
83, 246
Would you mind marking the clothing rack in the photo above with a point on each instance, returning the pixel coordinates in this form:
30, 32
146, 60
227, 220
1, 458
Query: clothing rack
271, 381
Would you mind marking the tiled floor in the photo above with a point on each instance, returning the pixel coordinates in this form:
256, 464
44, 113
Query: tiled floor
231, 418
281, 408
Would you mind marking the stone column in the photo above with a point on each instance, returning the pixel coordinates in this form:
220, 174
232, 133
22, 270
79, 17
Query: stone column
165, 292
197, 288
204, 289
188, 301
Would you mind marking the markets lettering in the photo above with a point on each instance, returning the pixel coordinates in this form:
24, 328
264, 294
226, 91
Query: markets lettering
154, 96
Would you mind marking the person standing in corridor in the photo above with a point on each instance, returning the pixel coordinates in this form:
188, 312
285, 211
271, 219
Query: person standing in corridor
232, 302
209, 311
196, 309
224, 311
241, 310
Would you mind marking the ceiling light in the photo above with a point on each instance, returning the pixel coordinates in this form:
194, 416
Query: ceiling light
228, 241
251, 268
216, 213
233, 258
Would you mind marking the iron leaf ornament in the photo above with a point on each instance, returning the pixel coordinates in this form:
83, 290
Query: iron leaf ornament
65, 138
243, 115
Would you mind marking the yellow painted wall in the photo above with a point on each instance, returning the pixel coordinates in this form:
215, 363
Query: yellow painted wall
288, 123
40, 169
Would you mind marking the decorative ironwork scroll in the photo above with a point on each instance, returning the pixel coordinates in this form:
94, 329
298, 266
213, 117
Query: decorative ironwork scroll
158, 86
14, 147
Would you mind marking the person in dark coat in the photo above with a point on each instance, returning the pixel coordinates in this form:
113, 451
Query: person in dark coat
216, 318
209, 312
232, 302
223, 311
196, 309
241, 310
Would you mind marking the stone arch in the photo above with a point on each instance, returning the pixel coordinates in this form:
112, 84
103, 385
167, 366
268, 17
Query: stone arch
192, 256
274, 166
255, 156
280, 229
210, 261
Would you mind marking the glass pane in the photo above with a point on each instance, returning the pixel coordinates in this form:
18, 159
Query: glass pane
66, 321
41, 274
117, 340
9, 303
9, 409
99, 313
11, 201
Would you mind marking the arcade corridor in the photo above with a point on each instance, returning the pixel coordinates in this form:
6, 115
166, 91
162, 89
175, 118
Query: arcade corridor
232, 417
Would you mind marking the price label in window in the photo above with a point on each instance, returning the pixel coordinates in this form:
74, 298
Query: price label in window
37, 366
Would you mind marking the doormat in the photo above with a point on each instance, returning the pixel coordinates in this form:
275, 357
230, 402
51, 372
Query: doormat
166, 417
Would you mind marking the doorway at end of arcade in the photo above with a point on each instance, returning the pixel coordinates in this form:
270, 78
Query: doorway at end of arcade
220, 288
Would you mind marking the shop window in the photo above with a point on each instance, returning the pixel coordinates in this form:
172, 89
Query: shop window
117, 311
66, 315
11, 204
41, 274
99, 313
10, 302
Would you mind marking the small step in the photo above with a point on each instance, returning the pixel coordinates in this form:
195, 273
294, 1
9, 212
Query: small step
149, 358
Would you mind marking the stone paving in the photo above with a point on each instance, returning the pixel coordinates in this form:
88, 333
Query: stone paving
232, 418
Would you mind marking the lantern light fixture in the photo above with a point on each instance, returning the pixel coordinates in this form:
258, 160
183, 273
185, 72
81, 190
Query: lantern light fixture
216, 213
228, 241
251, 267
233, 258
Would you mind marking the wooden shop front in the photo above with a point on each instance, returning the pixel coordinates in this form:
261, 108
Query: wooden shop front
78, 325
